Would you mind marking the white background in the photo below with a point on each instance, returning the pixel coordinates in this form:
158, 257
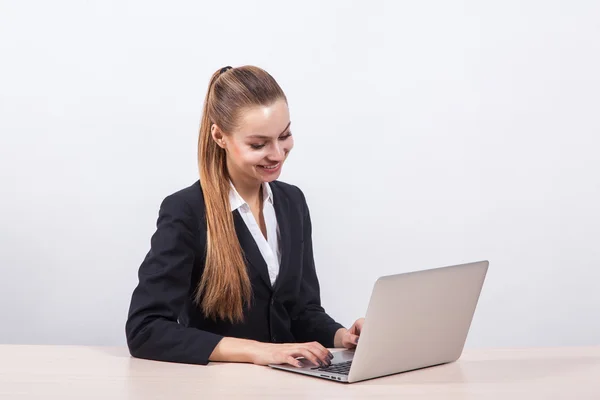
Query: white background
427, 134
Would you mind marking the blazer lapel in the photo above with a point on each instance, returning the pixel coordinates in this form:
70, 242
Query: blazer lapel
282, 212
250, 248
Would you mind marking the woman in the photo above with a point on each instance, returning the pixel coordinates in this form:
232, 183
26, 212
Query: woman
230, 274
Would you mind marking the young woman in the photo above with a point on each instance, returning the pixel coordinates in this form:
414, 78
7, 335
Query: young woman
230, 274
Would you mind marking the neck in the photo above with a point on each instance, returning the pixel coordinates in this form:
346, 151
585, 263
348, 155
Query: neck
249, 190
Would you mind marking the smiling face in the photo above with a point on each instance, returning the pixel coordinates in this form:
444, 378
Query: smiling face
258, 147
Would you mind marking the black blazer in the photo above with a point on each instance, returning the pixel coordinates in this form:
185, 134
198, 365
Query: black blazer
165, 324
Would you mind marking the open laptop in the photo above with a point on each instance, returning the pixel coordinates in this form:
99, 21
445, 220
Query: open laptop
414, 320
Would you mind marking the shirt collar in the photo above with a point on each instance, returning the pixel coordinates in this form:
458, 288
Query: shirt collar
236, 201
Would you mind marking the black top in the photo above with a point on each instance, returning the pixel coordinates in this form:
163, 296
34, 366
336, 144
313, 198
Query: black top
165, 324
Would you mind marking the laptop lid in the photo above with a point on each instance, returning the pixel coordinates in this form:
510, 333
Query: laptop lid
417, 319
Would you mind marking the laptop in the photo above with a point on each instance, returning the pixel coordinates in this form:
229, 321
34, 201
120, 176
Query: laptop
414, 320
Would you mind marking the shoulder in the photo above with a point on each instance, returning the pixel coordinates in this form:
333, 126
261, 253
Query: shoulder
292, 193
186, 203
191, 194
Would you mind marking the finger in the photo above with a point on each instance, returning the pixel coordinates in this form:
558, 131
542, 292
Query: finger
351, 339
292, 361
321, 352
306, 353
348, 345
359, 325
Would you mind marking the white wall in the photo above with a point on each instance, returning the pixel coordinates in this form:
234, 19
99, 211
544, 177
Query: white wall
427, 134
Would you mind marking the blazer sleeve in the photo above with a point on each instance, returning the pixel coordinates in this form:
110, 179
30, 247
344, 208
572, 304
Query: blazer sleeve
311, 322
152, 327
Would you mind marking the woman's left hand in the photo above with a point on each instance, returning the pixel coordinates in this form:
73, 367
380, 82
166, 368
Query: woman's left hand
348, 338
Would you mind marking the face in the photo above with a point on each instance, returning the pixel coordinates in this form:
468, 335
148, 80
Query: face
257, 149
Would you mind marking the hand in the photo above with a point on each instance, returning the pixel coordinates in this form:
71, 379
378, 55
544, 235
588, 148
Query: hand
348, 338
275, 353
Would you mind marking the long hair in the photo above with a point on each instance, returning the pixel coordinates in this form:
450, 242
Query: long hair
224, 289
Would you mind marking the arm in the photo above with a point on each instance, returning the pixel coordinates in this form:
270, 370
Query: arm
310, 321
152, 329
339, 335
348, 338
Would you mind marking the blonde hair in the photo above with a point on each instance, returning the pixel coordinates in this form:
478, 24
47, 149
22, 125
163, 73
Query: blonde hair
224, 288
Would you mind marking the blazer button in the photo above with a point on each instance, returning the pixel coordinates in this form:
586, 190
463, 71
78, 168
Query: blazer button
274, 338
272, 301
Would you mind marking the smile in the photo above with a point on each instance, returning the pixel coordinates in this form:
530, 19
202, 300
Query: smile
270, 167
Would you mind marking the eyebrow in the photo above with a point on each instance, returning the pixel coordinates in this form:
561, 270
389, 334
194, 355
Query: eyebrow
268, 137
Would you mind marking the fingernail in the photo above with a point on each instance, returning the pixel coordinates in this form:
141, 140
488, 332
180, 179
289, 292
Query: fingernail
330, 355
356, 341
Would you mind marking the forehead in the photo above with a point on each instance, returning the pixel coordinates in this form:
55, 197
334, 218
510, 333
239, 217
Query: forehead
268, 120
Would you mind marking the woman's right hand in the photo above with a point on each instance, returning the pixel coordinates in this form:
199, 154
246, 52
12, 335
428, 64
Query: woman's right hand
275, 353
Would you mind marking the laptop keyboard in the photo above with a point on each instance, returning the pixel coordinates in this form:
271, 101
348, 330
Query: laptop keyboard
342, 368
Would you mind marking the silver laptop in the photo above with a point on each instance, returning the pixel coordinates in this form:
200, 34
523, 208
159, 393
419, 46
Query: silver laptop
414, 320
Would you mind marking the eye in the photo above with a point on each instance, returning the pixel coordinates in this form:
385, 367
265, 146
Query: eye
284, 137
257, 146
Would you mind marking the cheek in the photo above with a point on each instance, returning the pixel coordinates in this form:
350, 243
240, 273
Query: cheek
289, 145
244, 155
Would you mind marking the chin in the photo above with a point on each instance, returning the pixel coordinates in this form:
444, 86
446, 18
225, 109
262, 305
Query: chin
271, 179
266, 177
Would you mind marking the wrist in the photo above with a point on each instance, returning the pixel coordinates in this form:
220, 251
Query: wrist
232, 349
255, 350
337, 339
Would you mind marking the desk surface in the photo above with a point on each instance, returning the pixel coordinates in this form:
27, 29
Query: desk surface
73, 372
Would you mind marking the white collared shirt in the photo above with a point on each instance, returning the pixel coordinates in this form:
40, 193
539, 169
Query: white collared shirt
269, 249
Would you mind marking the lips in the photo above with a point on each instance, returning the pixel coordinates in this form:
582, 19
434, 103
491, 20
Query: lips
273, 166
270, 168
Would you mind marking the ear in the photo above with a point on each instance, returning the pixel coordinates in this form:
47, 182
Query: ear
218, 136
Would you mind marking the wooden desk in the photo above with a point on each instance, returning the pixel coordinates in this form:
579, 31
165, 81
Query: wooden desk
72, 372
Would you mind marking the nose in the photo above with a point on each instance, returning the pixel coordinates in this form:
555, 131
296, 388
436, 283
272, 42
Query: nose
278, 153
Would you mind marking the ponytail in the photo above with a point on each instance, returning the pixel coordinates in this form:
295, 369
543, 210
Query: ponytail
224, 289
225, 286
